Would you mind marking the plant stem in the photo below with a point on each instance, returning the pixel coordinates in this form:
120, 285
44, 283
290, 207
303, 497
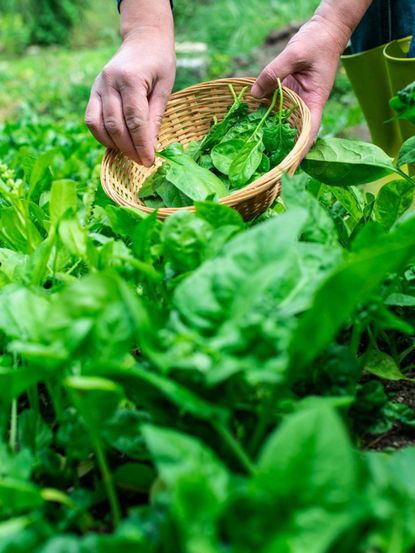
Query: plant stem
269, 110
263, 423
290, 112
235, 97
405, 176
107, 480
235, 447
13, 426
281, 101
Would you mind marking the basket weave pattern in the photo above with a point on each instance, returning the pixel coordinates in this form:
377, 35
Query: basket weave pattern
188, 117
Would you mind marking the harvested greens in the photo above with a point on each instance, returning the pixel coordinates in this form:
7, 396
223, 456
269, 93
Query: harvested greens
235, 152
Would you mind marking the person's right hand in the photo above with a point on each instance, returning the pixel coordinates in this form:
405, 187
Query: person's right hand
129, 96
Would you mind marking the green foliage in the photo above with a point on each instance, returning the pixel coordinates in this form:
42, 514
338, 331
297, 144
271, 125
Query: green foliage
162, 382
404, 103
48, 21
14, 34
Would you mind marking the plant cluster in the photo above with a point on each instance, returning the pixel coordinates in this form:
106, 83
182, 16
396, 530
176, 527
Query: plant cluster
239, 149
203, 384
46, 21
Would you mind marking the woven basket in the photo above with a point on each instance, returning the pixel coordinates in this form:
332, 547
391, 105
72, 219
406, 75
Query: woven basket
188, 117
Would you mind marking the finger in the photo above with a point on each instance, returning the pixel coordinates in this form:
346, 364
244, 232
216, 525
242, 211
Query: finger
95, 122
157, 107
115, 124
316, 110
279, 68
136, 115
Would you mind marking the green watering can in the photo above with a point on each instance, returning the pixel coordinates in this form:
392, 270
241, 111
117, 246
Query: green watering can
377, 75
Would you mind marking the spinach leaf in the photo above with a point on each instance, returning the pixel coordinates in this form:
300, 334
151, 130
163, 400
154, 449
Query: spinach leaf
219, 130
245, 163
224, 154
346, 162
187, 176
279, 140
404, 103
407, 152
393, 199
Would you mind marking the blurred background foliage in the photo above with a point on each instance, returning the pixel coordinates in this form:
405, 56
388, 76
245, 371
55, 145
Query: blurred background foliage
52, 50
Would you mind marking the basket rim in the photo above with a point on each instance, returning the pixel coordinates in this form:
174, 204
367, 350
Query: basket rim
247, 192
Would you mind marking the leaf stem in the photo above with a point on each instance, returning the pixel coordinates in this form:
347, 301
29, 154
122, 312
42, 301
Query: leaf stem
107, 480
13, 426
235, 447
264, 420
261, 123
405, 176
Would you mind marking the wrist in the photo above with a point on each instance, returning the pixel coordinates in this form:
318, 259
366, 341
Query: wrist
339, 18
146, 18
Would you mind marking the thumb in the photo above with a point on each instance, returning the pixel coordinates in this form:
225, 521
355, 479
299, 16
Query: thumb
282, 66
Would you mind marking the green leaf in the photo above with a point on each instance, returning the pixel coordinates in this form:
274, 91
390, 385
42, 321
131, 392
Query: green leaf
198, 485
13, 382
33, 432
63, 198
122, 432
96, 398
135, 477
349, 199
319, 227
218, 215
185, 237
407, 153
224, 154
187, 176
354, 281
15, 465
73, 236
40, 167
393, 199
124, 220
346, 162
383, 366
318, 463
245, 163
17, 496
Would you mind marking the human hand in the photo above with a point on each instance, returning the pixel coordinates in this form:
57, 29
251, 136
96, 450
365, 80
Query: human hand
129, 96
308, 66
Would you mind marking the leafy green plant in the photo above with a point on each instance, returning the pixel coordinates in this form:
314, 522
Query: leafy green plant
162, 382
404, 103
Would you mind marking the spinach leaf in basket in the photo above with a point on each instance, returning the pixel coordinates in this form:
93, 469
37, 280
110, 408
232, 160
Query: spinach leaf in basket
187, 176
219, 129
279, 140
245, 163
249, 157
223, 154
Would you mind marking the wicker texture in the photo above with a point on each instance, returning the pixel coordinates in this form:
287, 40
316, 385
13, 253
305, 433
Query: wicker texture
188, 117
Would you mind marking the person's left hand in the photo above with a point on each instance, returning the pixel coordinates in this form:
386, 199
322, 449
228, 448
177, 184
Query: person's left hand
308, 66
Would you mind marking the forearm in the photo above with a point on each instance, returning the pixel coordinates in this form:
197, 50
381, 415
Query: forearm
141, 16
341, 17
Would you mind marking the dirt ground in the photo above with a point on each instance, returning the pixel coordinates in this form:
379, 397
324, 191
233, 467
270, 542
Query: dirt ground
399, 436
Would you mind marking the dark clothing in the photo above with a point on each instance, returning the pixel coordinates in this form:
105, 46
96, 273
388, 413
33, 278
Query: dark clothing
384, 21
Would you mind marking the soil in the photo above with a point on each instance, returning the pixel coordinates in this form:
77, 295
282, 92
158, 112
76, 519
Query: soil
399, 436
258, 58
